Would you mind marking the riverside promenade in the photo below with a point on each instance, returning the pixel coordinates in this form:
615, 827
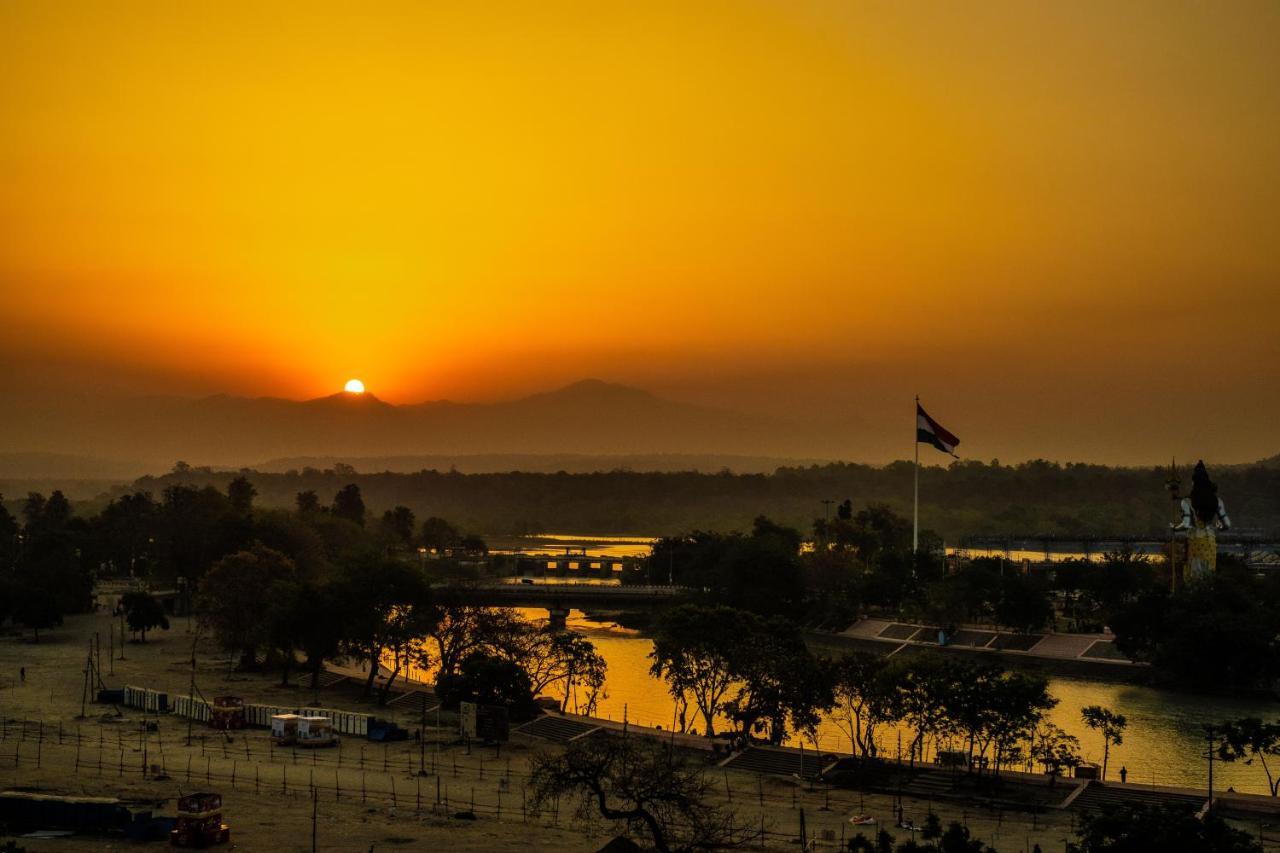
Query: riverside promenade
1093, 653
1011, 791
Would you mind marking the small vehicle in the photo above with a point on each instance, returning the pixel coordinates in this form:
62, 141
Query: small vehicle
284, 729
227, 713
316, 731
199, 822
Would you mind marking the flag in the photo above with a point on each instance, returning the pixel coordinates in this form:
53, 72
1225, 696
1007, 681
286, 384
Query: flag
930, 431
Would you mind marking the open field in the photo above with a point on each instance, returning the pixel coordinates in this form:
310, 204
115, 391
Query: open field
366, 795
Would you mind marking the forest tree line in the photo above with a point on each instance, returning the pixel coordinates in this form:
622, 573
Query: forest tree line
967, 498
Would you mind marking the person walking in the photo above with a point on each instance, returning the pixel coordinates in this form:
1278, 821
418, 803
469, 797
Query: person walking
22, 674
1124, 775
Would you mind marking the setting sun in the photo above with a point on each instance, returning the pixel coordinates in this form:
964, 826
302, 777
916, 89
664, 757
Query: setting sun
354, 386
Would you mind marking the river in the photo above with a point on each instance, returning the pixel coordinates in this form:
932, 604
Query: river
1163, 744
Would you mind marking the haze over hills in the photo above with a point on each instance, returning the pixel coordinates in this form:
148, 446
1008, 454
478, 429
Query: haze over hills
591, 418
548, 463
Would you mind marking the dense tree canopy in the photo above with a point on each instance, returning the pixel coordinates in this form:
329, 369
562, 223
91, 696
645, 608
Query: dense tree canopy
143, 613
966, 498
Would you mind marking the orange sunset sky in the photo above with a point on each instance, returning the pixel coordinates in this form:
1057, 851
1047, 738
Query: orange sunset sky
1057, 222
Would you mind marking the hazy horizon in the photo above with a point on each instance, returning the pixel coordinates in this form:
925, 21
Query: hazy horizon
1054, 224
147, 434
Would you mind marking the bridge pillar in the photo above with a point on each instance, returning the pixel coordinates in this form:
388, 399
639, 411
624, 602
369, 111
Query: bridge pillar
559, 618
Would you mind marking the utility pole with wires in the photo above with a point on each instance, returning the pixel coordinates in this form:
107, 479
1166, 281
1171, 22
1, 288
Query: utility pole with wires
193, 690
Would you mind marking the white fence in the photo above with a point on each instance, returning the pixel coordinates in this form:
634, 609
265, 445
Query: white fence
196, 709
346, 722
146, 699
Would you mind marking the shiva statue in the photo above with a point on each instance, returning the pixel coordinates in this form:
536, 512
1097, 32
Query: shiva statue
1203, 512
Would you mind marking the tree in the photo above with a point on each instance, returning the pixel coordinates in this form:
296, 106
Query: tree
391, 608
35, 604
761, 573
320, 625
286, 621
929, 693
8, 539
461, 629
956, 839
697, 651
143, 613
241, 494
488, 679
1166, 828
1010, 705
637, 783
52, 563
559, 658
198, 527
348, 504
1251, 739
1110, 724
127, 530
398, 524
1023, 604
473, 545
439, 535
307, 502
1220, 632
781, 684
236, 598
865, 692
1055, 750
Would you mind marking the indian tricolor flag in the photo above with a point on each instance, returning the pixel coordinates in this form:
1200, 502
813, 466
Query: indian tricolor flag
930, 431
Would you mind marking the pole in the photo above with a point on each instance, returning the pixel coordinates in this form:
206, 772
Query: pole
915, 501
1209, 731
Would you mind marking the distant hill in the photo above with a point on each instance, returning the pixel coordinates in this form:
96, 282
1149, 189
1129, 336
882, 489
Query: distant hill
68, 466
571, 463
588, 418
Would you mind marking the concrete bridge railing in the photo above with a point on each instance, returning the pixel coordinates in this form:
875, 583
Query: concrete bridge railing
558, 599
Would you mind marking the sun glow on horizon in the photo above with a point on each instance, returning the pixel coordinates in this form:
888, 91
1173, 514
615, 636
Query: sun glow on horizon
354, 386
789, 208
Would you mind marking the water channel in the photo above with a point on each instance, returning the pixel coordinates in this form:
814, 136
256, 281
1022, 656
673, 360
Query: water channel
1164, 743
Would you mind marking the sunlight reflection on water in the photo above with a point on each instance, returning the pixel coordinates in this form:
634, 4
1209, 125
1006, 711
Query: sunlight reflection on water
1164, 742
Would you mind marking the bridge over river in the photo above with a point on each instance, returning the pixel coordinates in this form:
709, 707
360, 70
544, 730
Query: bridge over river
560, 598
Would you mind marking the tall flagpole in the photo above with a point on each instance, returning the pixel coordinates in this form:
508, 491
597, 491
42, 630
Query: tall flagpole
915, 509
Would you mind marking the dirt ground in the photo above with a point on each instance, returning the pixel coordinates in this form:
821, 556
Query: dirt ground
366, 796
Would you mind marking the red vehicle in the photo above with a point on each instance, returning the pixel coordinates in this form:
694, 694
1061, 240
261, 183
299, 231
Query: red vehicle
226, 713
199, 821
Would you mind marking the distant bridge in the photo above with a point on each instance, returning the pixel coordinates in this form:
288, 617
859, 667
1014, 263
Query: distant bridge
559, 598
